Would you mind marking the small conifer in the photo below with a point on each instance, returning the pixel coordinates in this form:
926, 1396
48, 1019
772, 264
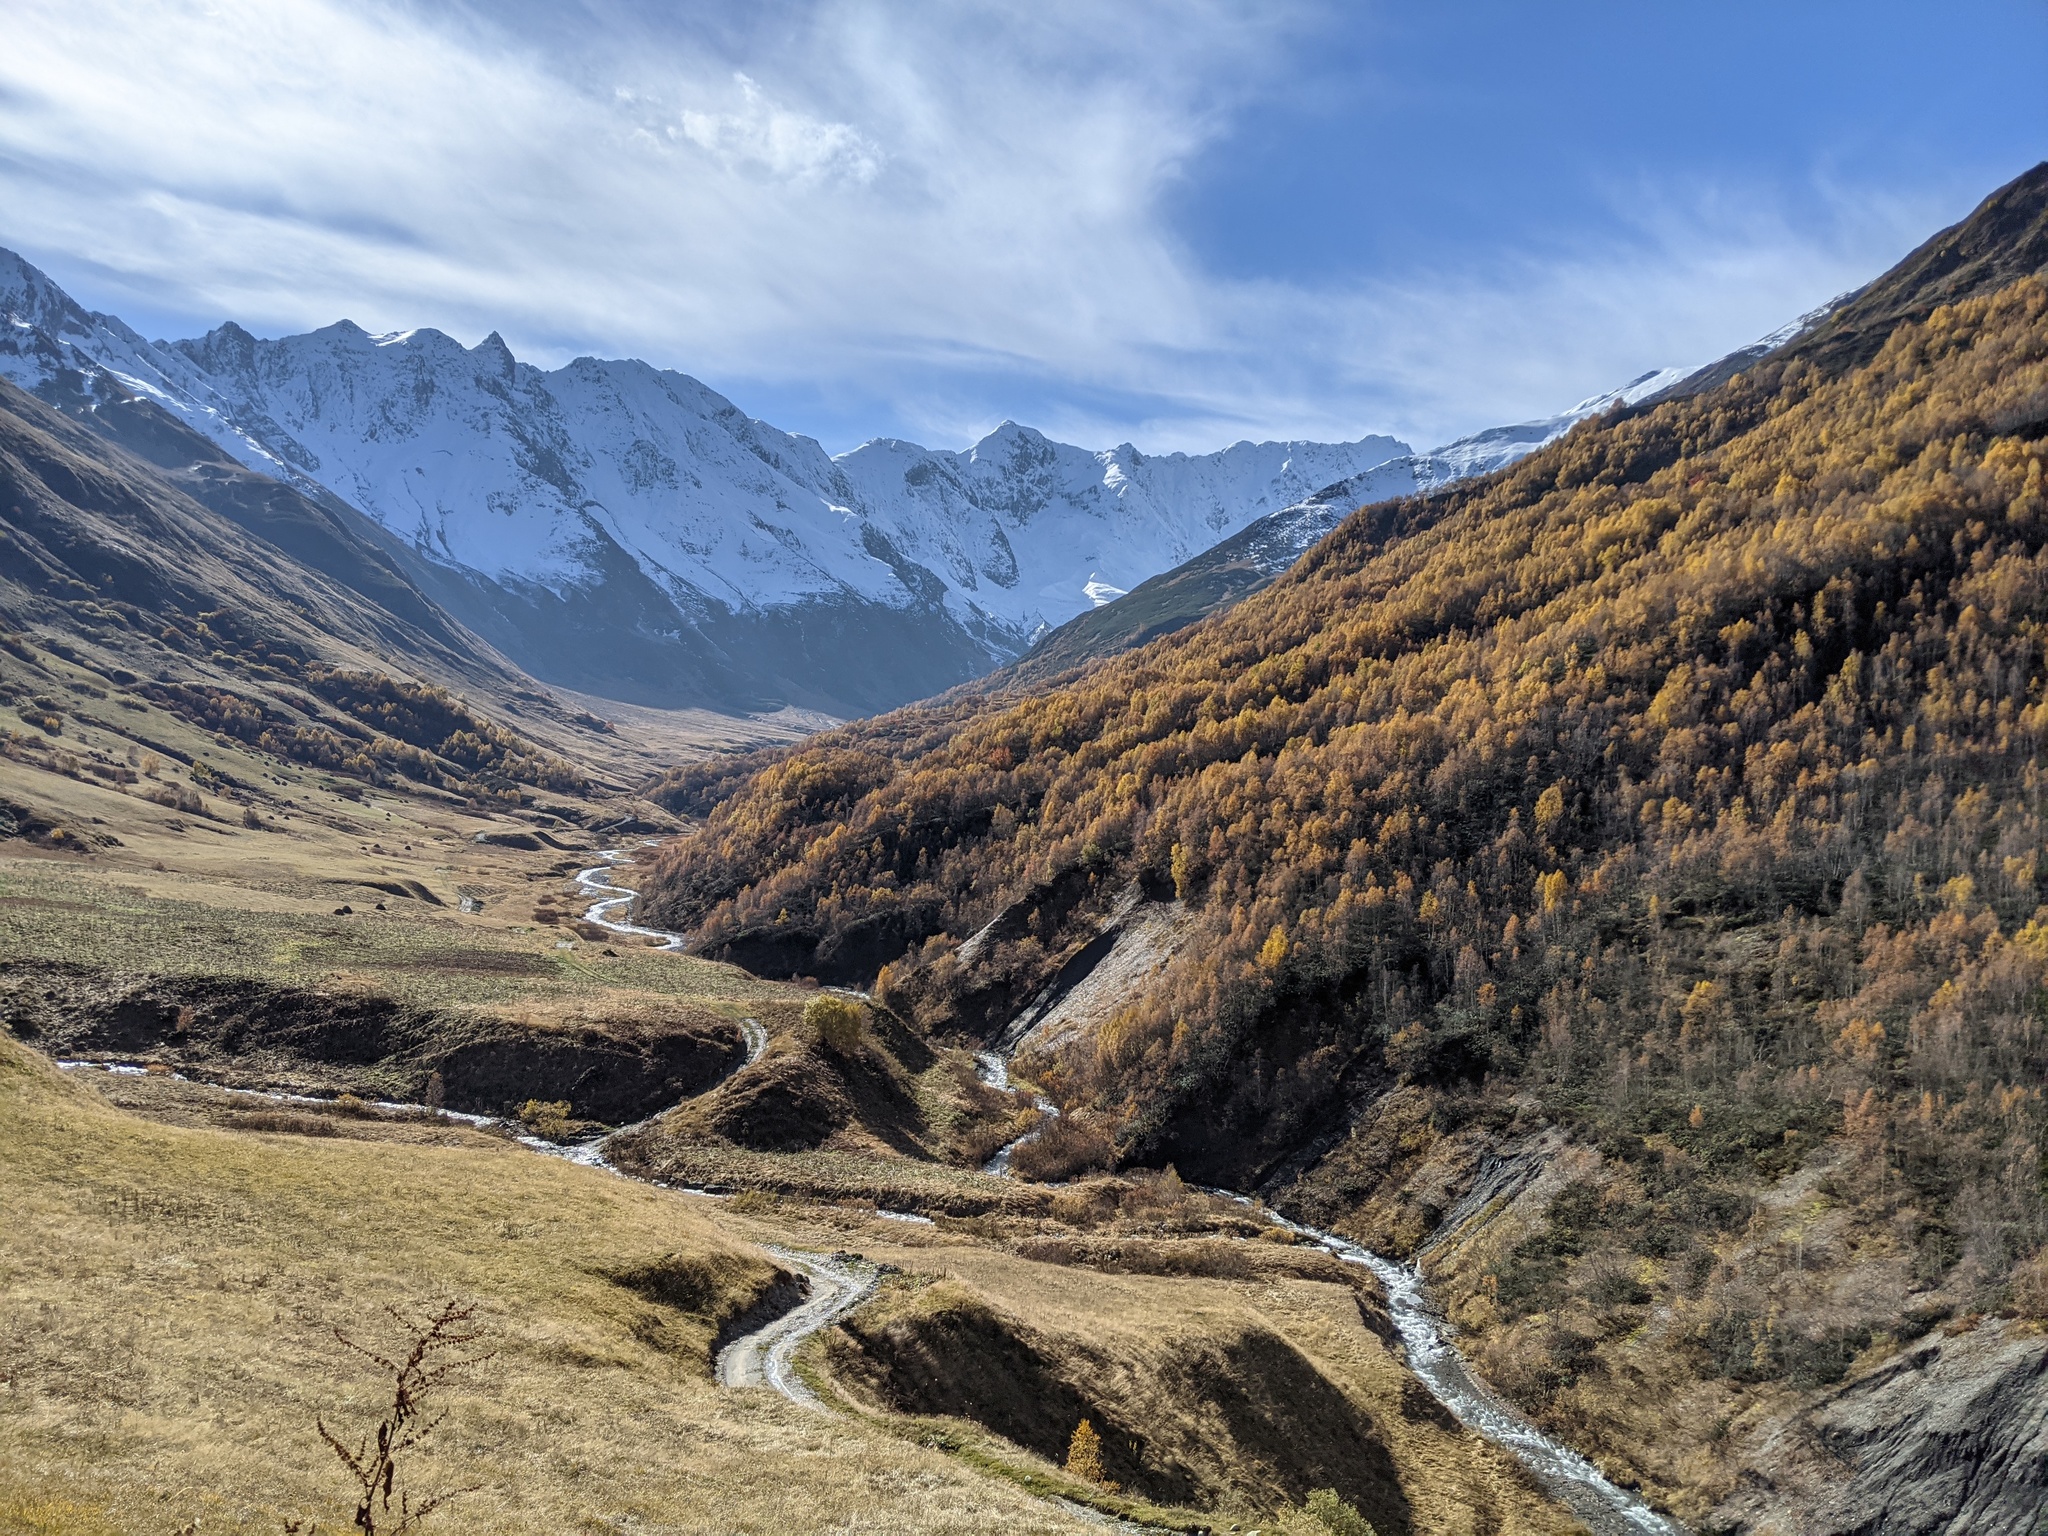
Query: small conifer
1084, 1455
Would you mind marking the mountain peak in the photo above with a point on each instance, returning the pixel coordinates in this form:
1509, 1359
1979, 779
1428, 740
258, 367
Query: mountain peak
493, 347
673, 514
227, 348
1010, 431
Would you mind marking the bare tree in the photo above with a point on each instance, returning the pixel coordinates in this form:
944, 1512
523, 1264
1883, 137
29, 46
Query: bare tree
438, 1345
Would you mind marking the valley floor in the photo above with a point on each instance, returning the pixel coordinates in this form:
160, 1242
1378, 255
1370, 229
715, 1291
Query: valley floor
179, 1254
179, 1257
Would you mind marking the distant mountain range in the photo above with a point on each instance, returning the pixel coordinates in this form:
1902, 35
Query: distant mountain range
627, 531
1251, 558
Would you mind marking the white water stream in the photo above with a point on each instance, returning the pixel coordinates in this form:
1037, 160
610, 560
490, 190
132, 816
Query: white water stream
1606, 1509
994, 1070
597, 881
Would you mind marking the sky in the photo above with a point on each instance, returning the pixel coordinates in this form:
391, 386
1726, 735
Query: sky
1172, 224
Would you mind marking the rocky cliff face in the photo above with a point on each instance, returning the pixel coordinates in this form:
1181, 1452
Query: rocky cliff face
1950, 1436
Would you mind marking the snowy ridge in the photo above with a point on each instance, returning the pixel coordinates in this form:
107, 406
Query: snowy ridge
626, 530
542, 489
1292, 531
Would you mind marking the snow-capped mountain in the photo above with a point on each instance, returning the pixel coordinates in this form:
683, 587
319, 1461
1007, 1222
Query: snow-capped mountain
1278, 540
1235, 567
627, 530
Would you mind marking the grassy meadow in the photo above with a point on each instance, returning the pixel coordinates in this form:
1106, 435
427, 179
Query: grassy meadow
177, 1259
169, 1296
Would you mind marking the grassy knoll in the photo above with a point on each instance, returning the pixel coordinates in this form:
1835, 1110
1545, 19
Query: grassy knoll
1234, 1387
167, 1295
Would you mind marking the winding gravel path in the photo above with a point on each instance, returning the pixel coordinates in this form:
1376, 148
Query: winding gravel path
765, 1357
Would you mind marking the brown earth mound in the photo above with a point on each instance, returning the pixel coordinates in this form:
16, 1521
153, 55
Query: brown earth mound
801, 1094
1203, 1417
256, 1034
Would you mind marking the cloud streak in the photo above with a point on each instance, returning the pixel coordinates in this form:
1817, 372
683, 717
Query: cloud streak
950, 213
773, 139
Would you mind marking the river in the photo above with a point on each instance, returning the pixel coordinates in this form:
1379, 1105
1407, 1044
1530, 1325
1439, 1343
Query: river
1606, 1508
597, 881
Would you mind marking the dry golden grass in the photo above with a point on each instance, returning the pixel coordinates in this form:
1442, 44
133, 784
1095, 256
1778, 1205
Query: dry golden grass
1125, 1330
321, 841
166, 1296
169, 1285
116, 919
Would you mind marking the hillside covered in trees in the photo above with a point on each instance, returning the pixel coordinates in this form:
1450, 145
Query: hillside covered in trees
1684, 776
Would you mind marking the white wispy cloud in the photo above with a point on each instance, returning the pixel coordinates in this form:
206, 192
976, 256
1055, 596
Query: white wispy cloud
927, 206
774, 139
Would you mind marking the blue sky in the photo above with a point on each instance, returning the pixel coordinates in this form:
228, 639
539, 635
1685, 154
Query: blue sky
1173, 224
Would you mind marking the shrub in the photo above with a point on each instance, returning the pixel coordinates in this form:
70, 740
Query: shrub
176, 797
1337, 1517
1612, 1283
284, 1123
835, 1023
1065, 1147
2030, 1286
550, 1121
1747, 1348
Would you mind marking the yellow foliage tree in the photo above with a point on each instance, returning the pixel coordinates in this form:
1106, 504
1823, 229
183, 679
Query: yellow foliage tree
1273, 953
835, 1023
1084, 1456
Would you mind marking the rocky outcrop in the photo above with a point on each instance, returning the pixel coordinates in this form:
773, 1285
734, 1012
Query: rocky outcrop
1135, 944
1949, 1438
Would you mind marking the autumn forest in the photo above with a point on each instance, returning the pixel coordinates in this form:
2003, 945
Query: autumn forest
1680, 781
